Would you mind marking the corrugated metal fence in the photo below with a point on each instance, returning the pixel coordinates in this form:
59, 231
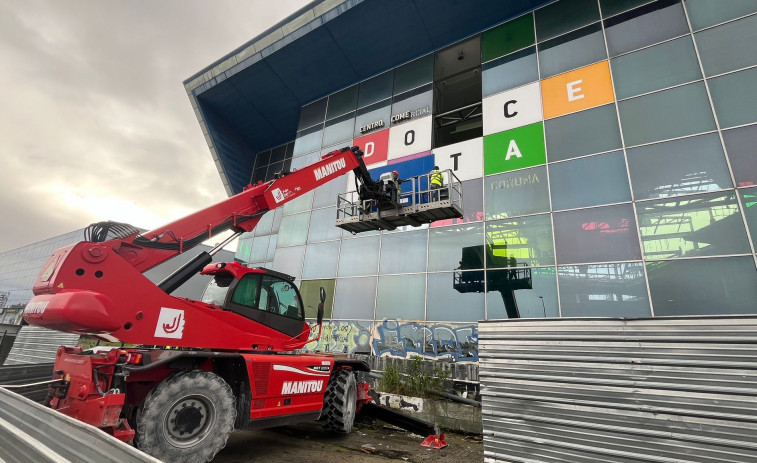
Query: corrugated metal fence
38, 345
613, 390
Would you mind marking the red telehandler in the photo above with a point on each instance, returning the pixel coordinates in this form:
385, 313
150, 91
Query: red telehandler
230, 363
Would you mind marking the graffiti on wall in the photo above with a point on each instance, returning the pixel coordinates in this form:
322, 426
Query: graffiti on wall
395, 338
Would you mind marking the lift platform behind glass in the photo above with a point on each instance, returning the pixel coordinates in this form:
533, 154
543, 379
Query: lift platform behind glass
415, 204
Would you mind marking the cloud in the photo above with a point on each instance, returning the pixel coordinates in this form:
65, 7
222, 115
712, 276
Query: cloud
96, 124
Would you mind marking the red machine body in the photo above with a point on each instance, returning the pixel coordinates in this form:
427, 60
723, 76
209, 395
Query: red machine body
199, 369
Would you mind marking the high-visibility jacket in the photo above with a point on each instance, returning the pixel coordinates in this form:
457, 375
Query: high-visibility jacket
436, 178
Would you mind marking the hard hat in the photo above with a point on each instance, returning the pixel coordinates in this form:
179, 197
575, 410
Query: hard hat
395, 172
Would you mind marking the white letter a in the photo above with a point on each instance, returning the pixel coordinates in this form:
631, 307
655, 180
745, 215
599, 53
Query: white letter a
513, 150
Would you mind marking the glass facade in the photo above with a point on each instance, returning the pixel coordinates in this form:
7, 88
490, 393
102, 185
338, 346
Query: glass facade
606, 150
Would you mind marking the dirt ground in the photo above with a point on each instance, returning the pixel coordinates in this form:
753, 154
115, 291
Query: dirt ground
310, 442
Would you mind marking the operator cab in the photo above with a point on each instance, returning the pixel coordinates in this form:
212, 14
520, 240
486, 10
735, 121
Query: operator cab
265, 296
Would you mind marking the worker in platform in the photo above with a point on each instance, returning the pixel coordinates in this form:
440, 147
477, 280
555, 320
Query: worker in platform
397, 193
436, 180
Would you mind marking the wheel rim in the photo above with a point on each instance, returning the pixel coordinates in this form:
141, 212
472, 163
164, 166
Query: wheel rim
189, 420
351, 401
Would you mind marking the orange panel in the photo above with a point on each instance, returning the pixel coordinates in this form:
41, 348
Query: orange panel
573, 91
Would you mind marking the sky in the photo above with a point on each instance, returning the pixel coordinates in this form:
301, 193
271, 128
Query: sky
95, 123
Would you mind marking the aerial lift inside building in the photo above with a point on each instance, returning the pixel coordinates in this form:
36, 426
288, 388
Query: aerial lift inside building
199, 368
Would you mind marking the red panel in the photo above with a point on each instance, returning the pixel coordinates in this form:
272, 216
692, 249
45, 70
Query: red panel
375, 146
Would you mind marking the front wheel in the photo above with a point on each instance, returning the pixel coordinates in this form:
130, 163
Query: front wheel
187, 417
339, 401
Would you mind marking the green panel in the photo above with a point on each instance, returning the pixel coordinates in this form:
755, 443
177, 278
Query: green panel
507, 38
514, 149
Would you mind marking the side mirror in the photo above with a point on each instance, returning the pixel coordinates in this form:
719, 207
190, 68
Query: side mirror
320, 305
323, 295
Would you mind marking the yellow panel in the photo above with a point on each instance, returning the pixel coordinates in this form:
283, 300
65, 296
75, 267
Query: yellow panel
573, 91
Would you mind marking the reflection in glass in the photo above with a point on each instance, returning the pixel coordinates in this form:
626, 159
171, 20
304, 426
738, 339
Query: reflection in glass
401, 297
325, 195
339, 129
299, 204
526, 241
600, 234
516, 193
355, 298
703, 286
312, 113
413, 74
742, 152
342, 102
322, 225
308, 140
289, 260
473, 204
311, 296
403, 252
689, 165
375, 89
259, 249
728, 47
561, 17
359, 256
264, 225
571, 51
510, 71
445, 303
672, 113
644, 26
607, 181
320, 260
305, 160
294, 229
586, 132
654, 68
700, 225
271, 247
538, 301
447, 247
749, 202
278, 213
603, 290
735, 97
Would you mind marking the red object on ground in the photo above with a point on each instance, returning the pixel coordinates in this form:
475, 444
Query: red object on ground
435, 442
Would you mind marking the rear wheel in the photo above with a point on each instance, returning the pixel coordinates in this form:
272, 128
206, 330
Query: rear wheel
339, 401
187, 417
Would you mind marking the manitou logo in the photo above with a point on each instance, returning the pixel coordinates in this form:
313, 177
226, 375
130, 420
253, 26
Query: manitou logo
170, 323
301, 387
329, 168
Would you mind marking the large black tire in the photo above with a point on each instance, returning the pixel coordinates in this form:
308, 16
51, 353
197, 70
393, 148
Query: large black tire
186, 418
339, 401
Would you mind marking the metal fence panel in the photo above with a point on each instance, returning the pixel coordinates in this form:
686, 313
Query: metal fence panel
668, 389
31, 432
38, 345
27, 374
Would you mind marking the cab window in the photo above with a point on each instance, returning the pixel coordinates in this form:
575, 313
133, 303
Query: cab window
215, 292
281, 298
246, 293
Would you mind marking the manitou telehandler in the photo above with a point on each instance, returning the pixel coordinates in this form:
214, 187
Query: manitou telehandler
200, 368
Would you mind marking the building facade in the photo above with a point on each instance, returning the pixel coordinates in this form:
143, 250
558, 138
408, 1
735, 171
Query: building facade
606, 150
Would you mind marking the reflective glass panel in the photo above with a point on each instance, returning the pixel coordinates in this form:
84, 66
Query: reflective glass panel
516, 193
355, 298
749, 202
277, 214
613, 7
700, 225
401, 297
561, 17
571, 51
473, 204
278, 154
456, 247
311, 297
414, 74
289, 260
742, 152
342, 102
665, 65
403, 252
603, 290
242, 253
320, 260
644, 26
259, 249
507, 38
312, 113
299, 204
308, 140
419, 100
449, 301
264, 225
510, 71
719, 286
526, 241
590, 181
689, 165
306, 160
323, 225
672, 113
535, 298
326, 195
728, 47
586, 132
735, 97
294, 229
599, 234
705, 13
339, 129
378, 113
375, 89
359, 256
271, 247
